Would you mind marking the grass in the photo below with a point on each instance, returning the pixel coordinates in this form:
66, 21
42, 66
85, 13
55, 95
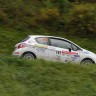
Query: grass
42, 78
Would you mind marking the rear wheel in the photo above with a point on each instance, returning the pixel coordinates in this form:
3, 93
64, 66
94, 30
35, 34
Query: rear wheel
28, 55
87, 62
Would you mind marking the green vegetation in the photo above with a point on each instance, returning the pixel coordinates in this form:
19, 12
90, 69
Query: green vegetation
41, 78
57, 16
72, 19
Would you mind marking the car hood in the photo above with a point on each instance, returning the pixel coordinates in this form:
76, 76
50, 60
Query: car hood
88, 52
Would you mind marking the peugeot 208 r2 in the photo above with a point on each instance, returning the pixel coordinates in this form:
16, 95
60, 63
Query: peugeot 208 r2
53, 48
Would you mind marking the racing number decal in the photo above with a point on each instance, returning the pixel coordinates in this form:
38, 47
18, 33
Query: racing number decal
58, 52
66, 55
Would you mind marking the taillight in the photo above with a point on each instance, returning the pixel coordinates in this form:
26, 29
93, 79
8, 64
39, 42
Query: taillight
21, 45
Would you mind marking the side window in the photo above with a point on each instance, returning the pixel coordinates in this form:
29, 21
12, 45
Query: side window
60, 43
42, 40
75, 48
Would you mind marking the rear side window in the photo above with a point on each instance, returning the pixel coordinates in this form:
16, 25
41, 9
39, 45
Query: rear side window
25, 39
42, 40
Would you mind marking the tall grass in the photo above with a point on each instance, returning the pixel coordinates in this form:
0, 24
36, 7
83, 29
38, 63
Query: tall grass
42, 78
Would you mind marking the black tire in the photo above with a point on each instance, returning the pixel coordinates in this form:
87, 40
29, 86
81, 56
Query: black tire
29, 55
87, 62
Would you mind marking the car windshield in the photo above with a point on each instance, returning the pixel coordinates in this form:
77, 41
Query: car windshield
25, 39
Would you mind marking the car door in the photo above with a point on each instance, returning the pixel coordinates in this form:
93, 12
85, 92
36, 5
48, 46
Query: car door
55, 53
61, 50
75, 53
56, 47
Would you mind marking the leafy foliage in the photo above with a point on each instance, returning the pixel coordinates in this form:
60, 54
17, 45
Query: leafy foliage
83, 1
82, 19
54, 15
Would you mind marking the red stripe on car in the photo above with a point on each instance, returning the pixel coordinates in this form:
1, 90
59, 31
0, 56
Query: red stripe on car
67, 52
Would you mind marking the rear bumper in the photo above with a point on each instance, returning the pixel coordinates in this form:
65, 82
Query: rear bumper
17, 52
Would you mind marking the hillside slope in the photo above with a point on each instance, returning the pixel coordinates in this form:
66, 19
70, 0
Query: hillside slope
41, 78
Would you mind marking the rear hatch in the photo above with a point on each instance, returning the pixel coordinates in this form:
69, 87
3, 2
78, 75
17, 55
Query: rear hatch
22, 44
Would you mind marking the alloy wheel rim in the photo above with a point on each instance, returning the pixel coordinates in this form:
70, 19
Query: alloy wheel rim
28, 56
87, 62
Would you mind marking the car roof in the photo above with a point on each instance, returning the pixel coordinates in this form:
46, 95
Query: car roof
34, 36
47, 36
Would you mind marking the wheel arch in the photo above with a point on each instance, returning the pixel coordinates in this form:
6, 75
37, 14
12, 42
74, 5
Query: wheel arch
29, 52
88, 59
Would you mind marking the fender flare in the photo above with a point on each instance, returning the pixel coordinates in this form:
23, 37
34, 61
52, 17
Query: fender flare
29, 52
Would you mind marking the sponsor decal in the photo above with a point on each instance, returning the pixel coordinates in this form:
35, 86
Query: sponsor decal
76, 55
52, 50
73, 57
17, 53
58, 52
42, 50
41, 46
67, 52
86, 52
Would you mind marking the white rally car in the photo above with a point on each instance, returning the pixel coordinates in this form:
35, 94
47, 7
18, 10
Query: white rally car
53, 48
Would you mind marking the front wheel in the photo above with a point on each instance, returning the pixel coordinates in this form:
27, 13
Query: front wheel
87, 62
28, 56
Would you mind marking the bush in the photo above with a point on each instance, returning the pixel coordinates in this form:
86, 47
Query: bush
82, 19
3, 17
83, 1
78, 18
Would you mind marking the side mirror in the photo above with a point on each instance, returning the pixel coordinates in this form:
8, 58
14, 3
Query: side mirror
69, 49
